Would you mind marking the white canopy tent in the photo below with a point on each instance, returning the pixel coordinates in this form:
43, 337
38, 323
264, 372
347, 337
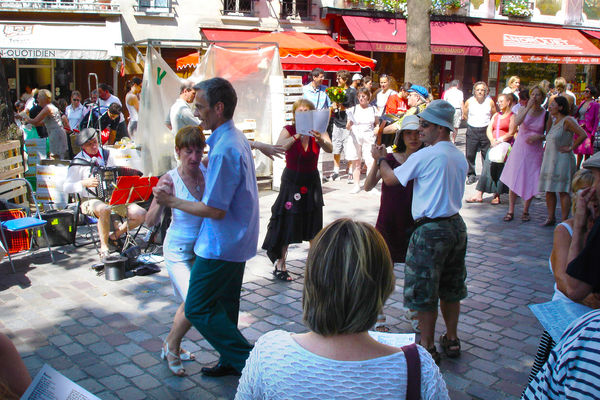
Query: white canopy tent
254, 72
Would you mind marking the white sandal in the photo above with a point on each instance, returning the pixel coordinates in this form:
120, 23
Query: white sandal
175, 365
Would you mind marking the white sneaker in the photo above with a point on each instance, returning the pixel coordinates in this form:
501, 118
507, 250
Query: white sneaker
355, 190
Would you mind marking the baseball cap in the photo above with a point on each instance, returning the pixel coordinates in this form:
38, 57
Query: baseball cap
439, 112
420, 90
357, 77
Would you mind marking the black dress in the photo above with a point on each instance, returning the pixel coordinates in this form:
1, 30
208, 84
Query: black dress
297, 214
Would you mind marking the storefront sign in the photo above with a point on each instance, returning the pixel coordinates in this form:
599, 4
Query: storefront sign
517, 58
28, 53
536, 42
401, 48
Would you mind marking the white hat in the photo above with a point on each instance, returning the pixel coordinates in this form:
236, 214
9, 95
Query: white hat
410, 123
357, 77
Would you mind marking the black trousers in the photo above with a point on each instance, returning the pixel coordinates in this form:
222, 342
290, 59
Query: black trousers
476, 141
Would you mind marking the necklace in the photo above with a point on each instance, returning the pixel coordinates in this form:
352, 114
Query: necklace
197, 186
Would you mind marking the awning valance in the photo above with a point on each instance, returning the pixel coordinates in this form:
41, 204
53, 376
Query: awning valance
60, 40
526, 44
377, 34
298, 51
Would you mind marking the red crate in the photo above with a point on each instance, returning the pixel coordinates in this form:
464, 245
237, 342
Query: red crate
18, 241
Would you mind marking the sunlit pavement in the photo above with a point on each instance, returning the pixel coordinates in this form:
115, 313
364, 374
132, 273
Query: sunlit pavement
106, 335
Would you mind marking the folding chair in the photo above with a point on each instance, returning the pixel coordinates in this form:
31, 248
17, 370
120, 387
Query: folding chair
20, 224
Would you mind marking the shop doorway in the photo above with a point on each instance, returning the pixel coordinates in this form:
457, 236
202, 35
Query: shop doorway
54, 75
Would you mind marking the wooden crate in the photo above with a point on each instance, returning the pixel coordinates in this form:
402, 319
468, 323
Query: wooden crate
11, 166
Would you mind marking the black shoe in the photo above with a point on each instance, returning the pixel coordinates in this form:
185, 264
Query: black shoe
220, 370
471, 179
325, 179
334, 176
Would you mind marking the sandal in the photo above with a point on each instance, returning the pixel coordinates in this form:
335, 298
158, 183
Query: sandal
380, 325
525, 217
282, 275
474, 200
175, 365
509, 217
185, 355
434, 354
549, 222
495, 201
450, 347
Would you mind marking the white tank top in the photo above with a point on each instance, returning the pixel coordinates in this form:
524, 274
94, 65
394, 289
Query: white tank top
133, 114
479, 114
558, 295
184, 229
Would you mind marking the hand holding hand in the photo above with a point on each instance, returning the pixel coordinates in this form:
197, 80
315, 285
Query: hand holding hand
163, 196
378, 151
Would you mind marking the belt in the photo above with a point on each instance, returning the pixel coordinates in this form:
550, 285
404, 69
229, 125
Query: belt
426, 220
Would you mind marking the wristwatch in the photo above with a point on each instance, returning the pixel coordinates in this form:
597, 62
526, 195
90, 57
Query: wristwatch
380, 160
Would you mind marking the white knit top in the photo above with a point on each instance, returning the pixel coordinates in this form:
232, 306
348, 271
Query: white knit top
279, 368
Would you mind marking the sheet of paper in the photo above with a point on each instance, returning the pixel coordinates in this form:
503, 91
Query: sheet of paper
393, 339
320, 120
49, 384
304, 122
556, 316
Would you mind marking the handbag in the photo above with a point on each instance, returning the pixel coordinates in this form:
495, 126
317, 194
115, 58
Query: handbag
413, 372
499, 152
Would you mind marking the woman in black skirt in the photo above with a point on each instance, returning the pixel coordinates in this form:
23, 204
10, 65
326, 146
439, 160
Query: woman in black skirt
297, 214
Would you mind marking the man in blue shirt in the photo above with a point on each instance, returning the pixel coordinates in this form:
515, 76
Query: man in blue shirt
315, 91
229, 233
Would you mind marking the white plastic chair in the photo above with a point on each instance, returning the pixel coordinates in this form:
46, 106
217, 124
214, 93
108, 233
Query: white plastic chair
21, 224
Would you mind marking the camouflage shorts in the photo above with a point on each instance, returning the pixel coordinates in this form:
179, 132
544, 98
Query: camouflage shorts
435, 264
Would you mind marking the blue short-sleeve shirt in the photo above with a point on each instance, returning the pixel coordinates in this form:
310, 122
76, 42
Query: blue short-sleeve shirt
317, 96
230, 186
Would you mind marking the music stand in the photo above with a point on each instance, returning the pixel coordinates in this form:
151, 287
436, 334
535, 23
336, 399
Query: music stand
132, 189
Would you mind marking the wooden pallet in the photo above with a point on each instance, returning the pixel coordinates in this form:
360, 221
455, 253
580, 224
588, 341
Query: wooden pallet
11, 166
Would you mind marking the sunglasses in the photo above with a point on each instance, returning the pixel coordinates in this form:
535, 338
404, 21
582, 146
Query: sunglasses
424, 124
75, 99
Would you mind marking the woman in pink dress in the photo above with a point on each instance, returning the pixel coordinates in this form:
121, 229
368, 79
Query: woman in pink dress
522, 170
587, 114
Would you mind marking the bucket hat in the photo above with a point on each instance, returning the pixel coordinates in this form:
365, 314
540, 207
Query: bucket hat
439, 112
84, 136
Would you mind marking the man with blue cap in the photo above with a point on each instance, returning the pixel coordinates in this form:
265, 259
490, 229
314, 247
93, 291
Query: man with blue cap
417, 101
435, 261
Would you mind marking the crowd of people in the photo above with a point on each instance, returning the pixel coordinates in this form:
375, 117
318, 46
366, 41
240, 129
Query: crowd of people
528, 143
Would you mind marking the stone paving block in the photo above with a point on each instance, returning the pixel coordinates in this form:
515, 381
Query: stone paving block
108, 395
145, 381
129, 370
72, 349
91, 385
138, 336
131, 393
101, 348
99, 370
48, 352
115, 359
130, 349
114, 382
87, 338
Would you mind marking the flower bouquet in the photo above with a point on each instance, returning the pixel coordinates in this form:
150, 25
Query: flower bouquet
336, 94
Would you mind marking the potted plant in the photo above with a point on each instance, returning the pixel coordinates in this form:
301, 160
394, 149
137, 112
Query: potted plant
395, 6
517, 8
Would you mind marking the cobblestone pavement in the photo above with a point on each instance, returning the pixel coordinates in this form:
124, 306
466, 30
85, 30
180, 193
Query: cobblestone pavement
106, 336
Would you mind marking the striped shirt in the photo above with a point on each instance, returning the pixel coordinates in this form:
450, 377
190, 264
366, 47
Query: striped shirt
573, 368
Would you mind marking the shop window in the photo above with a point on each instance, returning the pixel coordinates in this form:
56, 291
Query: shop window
548, 7
591, 8
238, 7
295, 8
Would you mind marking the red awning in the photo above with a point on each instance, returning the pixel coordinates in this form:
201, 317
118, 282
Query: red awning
377, 34
594, 34
298, 51
526, 44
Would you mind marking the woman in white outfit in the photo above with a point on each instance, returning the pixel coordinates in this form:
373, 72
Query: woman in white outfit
186, 182
362, 119
349, 276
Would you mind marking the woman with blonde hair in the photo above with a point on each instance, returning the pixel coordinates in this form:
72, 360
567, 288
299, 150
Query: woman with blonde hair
297, 214
349, 276
51, 118
514, 83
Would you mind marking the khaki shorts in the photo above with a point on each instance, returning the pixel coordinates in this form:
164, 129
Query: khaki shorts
87, 208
